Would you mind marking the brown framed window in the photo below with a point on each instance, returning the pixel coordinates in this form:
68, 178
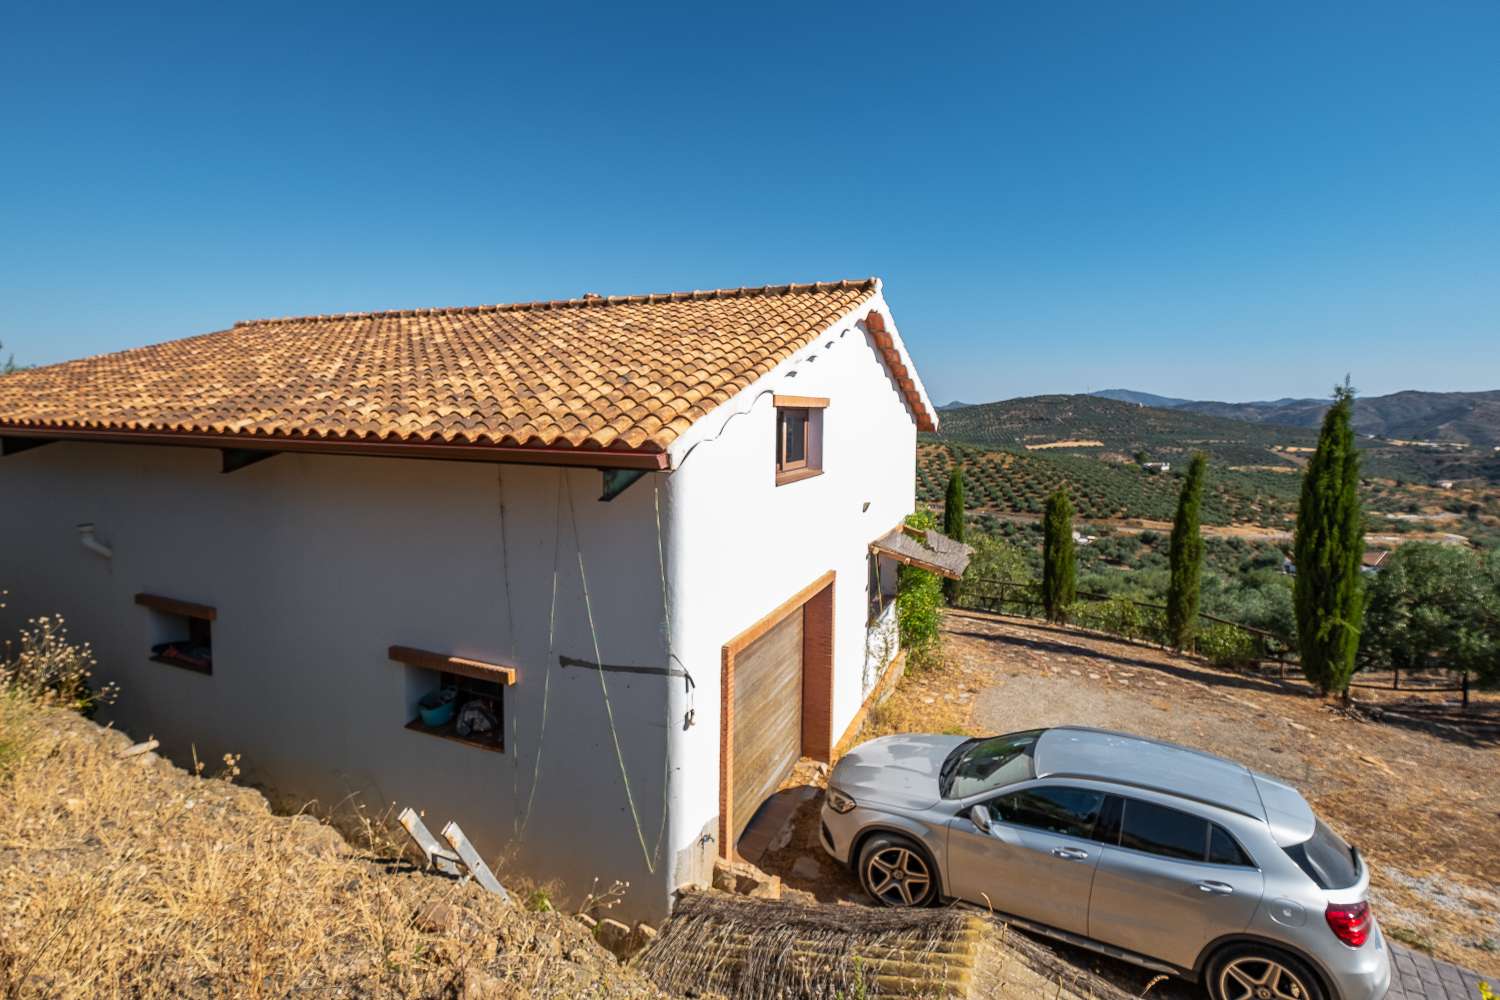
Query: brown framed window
182, 632
792, 425
799, 445
460, 698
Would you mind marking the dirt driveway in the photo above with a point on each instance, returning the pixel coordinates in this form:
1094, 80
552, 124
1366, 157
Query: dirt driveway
1422, 804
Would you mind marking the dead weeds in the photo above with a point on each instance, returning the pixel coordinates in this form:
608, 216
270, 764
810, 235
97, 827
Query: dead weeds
126, 876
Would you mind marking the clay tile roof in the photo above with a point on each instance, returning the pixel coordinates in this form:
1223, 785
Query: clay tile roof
617, 374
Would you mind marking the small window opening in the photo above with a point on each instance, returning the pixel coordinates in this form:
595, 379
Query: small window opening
462, 708
182, 632
799, 437
880, 585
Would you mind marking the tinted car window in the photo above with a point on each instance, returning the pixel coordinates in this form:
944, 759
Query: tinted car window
1326, 859
1069, 811
986, 765
1170, 833
1224, 850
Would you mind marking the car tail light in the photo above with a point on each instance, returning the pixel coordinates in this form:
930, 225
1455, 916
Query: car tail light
1350, 922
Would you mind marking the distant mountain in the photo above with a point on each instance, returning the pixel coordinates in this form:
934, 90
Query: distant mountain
955, 405
1471, 418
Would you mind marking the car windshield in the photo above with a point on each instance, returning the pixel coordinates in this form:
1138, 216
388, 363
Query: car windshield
985, 765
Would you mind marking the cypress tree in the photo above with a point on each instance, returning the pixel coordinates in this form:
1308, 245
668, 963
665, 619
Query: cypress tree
1058, 567
1186, 557
1329, 591
953, 522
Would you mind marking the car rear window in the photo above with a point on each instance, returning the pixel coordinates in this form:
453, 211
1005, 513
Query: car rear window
1224, 850
1169, 833
1326, 858
1161, 830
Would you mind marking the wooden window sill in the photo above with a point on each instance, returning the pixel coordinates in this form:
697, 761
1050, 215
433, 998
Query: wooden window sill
447, 732
796, 476
172, 606
173, 661
474, 669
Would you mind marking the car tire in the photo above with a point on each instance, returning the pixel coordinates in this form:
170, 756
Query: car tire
897, 872
1251, 971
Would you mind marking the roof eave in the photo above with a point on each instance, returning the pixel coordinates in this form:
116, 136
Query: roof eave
458, 452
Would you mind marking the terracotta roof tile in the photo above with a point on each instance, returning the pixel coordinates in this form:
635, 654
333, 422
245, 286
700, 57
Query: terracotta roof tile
627, 373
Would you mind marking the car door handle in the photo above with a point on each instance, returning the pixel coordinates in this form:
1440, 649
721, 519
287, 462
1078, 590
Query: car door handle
1217, 888
1071, 853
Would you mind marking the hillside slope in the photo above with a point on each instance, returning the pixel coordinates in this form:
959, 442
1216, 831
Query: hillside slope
1122, 428
126, 876
1118, 431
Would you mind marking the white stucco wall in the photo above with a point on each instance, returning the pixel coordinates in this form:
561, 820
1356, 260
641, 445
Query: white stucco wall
740, 545
316, 564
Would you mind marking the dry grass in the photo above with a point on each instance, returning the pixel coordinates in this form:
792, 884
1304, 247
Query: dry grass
753, 949
936, 695
130, 877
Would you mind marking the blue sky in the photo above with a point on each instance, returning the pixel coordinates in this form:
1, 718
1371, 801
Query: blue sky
1208, 200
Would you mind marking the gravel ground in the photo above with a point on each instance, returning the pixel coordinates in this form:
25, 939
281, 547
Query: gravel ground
1421, 803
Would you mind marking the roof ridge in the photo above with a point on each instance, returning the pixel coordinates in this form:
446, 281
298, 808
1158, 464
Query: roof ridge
584, 302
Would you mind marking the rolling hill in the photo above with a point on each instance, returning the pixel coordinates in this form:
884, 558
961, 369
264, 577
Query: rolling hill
1122, 431
1470, 418
1099, 426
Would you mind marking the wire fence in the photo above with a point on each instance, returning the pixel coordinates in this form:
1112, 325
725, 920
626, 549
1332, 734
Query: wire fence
1223, 642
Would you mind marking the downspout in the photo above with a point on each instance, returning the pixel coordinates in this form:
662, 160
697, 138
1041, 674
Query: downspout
90, 542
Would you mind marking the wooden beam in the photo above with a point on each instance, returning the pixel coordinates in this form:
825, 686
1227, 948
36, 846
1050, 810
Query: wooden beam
172, 606
235, 459
802, 402
477, 670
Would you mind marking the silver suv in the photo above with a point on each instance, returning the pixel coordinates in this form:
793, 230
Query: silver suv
1164, 856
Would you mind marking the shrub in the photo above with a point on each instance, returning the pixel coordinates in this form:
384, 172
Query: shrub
1226, 646
919, 600
50, 668
1118, 616
994, 559
1435, 605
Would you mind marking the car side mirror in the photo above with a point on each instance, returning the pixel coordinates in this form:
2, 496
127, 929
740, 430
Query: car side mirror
981, 817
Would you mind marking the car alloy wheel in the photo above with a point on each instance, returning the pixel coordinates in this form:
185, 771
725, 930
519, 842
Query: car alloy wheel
898, 876
1256, 977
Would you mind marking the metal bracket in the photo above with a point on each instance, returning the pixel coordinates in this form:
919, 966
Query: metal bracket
235, 459
617, 481
16, 445
438, 857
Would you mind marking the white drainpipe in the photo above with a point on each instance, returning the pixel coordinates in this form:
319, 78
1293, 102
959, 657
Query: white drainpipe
86, 536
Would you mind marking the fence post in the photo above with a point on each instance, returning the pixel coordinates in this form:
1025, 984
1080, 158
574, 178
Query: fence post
1395, 678
1466, 690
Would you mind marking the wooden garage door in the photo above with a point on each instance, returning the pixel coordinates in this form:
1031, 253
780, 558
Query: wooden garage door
767, 715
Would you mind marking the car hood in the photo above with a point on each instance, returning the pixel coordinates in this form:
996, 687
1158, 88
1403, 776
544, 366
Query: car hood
895, 770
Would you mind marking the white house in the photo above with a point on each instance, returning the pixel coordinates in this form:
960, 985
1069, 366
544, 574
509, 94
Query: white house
640, 537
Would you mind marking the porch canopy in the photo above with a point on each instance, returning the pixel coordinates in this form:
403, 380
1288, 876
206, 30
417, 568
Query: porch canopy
929, 550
